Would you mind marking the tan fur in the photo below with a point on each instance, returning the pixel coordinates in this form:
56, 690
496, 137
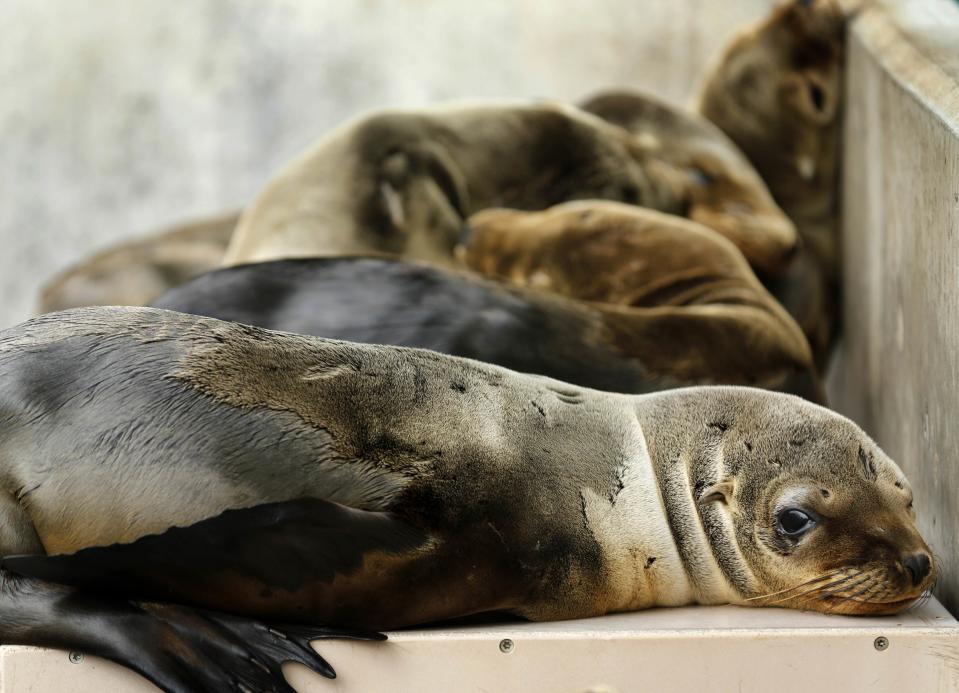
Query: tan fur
133, 273
766, 451
402, 182
776, 91
724, 191
665, 287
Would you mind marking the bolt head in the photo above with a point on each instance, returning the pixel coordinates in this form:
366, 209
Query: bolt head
76, 657
506, 645
880, 643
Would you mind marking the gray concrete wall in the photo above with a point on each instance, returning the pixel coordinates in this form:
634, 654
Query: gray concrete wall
898, 369
121, 116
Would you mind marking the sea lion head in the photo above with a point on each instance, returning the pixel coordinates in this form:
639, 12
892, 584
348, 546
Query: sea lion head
717, 184
822, 517
776, 92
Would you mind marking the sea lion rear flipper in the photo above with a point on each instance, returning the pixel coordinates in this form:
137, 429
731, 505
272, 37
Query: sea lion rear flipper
180, 649
274, 546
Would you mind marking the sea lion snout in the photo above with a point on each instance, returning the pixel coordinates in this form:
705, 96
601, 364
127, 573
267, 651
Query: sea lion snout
919, 567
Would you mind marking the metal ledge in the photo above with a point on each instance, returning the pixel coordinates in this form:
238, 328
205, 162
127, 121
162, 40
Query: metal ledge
664, 650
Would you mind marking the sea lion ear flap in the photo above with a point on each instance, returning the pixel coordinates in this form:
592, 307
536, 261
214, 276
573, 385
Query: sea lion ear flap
720, 491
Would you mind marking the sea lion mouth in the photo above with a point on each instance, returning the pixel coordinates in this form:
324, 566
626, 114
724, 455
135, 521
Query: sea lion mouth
873, 608
855, 591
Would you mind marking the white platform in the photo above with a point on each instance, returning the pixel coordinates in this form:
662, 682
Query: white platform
660, 651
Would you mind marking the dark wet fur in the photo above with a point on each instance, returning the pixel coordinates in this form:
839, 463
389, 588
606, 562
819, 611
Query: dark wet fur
404, 304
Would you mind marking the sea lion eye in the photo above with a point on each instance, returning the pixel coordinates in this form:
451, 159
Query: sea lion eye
817, 96
794, 522
701, 177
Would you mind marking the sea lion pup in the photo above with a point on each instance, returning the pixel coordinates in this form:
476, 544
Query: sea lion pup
403, 182
683, 273
212, 467
135, 272
777, 92
613, 253
726, 192
670, 303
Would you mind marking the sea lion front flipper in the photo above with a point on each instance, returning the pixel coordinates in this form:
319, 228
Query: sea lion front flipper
180, 649
88, 600
273, 547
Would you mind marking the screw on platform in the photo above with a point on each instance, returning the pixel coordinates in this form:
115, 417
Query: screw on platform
880, 643
76, 657
506, 645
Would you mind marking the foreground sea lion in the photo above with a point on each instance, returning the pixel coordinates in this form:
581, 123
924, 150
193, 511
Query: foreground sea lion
776, 91
135, 272
670, 302
213, 467
403, 182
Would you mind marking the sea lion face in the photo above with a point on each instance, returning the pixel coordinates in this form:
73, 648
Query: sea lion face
729, 197
776, 93
823, 518
716, 183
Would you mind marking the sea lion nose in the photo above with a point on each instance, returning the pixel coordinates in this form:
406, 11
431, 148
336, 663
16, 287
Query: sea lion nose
790, 252
918, 566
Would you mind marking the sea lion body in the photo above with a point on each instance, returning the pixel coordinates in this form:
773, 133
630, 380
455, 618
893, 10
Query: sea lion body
777, 92
219, 466
135, 272
403, 183
660, 302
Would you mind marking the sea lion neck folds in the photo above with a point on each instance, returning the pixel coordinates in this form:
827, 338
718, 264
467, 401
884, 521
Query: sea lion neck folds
656, 549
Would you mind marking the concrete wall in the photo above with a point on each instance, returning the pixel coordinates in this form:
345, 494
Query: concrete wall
898, 370
121, 116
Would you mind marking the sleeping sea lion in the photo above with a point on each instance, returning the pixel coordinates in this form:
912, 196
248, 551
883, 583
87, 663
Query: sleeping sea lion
403, 182
729, 194
775, 91
135, 272
666, 302
172, 483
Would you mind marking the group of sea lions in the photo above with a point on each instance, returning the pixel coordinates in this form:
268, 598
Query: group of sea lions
200, 488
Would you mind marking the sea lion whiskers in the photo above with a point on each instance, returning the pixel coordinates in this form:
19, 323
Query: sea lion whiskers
817, 593
871, 585
868, 578
835, 582
927, 594
825, 576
